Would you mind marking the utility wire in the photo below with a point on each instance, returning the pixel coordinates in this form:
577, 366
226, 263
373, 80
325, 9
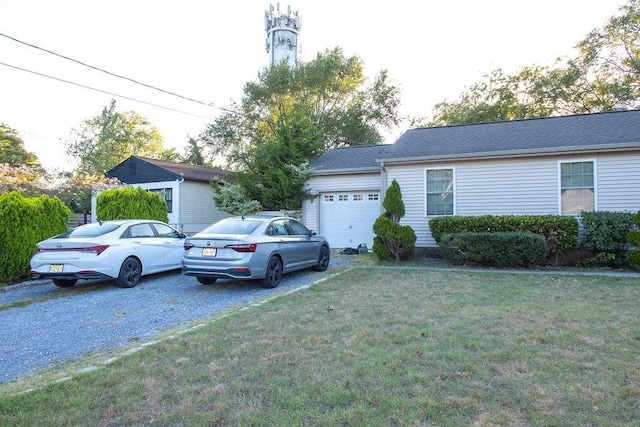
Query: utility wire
119, 76
102, 91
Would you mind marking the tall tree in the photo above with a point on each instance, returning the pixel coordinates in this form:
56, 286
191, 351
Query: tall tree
103, 141
12, 150
193, 154
289, 116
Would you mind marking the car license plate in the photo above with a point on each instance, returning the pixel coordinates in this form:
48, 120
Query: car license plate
55, 268
209, 251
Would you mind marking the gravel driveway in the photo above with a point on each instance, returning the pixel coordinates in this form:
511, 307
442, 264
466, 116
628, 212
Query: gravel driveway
56, 325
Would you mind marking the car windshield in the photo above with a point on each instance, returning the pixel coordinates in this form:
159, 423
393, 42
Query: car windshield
89, 230
233, 226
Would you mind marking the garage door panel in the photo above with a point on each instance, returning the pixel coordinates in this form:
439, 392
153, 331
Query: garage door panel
346, 219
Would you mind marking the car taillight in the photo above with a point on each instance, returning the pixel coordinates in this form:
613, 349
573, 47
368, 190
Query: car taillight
98, 249
188, 245
248, 247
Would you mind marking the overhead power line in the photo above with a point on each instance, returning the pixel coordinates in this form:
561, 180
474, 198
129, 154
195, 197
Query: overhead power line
103, 91
119, 76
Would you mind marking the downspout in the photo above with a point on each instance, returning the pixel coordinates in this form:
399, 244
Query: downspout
383, 183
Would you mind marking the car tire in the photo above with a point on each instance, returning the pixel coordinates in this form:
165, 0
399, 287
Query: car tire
206, 280
130, 273
274, 273
323, 259
65, 283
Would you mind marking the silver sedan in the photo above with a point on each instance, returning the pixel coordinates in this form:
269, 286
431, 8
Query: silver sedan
253, 247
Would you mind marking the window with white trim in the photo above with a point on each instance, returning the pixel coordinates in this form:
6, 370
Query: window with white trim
358, 197
167, 195
577, 187
439, 192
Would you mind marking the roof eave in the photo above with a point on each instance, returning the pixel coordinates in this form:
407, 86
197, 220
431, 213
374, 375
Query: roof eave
343, 171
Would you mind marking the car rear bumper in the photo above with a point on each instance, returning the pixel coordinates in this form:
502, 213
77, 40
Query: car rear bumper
69, 276
227, 273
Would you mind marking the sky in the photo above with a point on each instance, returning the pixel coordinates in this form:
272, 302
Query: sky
207, 50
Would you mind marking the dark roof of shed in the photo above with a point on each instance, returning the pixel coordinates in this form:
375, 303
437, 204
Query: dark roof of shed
187, 171
583, 133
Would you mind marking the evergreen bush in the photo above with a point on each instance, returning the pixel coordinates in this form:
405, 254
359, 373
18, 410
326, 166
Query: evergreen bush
130, 203
392, 240
606, 234
633, 238
23, 223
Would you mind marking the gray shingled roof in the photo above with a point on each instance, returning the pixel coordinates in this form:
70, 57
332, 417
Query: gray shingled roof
189, 172
609, 131
359, 158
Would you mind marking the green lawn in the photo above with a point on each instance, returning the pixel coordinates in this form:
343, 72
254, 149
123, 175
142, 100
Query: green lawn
378, 347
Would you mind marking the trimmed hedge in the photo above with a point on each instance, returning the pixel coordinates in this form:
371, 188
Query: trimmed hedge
130, 203
560, 232
23, 223
495, 249
606, 233
633, 238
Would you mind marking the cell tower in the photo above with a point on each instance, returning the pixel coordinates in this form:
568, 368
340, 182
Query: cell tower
282, 35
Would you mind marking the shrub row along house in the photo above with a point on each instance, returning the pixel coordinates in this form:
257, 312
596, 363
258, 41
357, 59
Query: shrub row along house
557, 165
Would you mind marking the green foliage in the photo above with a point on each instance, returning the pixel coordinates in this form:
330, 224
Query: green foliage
130, 203
393, 240
23, 223
494, 249
633, 238
560, 232
606, 234
104, 141
392, 203
289, 116
231, 198
12, 151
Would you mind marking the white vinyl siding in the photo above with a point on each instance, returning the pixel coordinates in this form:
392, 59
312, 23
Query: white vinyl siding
618, 183
197, 210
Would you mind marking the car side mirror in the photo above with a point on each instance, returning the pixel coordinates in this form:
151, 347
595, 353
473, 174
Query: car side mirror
312, 233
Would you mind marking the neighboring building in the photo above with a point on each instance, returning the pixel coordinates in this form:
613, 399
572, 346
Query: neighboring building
186, 188
556, 165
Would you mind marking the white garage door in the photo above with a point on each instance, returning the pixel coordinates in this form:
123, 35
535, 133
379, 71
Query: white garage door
346, 219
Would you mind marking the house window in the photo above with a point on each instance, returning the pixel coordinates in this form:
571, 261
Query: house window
343, 197
328, 198
439, 192
373, 197
358, 197
132, 168
167, 195
577, 187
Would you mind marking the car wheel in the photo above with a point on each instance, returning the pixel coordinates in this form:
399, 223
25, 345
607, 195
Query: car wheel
274, 273
64, 283
323, 259
130, 273
207, 280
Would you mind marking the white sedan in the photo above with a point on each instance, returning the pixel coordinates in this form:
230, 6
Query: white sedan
123, 250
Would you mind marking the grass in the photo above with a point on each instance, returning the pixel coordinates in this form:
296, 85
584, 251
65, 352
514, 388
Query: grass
387, 347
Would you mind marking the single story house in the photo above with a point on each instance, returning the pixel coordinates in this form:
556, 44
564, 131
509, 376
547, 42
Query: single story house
555, 165
186, 189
